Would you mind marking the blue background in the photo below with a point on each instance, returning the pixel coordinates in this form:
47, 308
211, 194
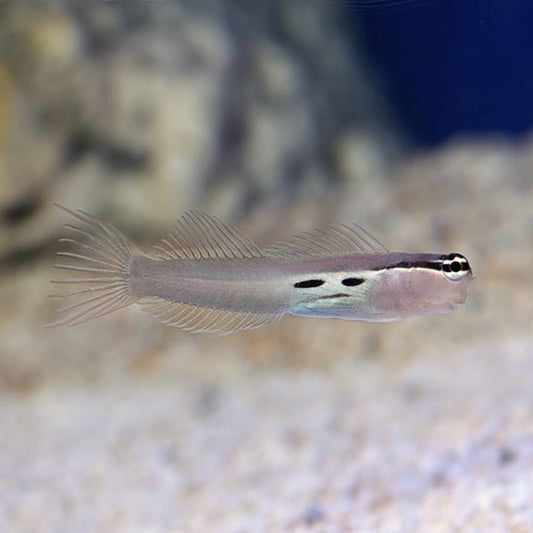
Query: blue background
456, 66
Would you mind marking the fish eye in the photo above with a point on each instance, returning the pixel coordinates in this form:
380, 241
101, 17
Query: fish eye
455, 266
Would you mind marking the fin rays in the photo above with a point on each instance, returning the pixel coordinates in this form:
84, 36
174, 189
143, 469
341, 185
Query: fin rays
338, 240
205, 320
100, 258
86, 291
200, 236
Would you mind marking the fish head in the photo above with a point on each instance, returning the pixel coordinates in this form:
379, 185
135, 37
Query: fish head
435, 286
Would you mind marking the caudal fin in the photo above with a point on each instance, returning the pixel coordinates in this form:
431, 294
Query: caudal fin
96, 266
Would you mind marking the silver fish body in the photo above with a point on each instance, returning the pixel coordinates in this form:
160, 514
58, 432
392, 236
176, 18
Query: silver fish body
208, 276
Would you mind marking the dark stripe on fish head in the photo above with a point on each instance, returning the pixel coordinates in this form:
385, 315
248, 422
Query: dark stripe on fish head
454, 266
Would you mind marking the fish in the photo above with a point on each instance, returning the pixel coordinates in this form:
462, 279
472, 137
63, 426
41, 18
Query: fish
209, 276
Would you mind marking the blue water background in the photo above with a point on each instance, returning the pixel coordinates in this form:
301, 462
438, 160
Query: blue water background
455, 66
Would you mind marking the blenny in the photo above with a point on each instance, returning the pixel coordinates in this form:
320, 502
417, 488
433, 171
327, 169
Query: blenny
208, 276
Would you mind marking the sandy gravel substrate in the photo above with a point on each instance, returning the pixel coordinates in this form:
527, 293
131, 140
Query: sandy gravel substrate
123, 424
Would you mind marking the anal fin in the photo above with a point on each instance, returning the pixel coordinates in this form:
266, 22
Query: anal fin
203, 319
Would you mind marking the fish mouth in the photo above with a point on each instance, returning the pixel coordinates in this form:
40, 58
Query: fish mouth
450, 307
460, 298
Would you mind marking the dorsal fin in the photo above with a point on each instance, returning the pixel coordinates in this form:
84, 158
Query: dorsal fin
337, 240
200, 236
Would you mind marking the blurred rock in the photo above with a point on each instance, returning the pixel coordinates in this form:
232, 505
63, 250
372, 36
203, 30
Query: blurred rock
140, 110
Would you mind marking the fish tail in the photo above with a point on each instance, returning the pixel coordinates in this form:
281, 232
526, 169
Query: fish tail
96, 267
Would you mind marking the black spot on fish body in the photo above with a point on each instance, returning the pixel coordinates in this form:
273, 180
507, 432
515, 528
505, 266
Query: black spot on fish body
352, 282
309, 284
